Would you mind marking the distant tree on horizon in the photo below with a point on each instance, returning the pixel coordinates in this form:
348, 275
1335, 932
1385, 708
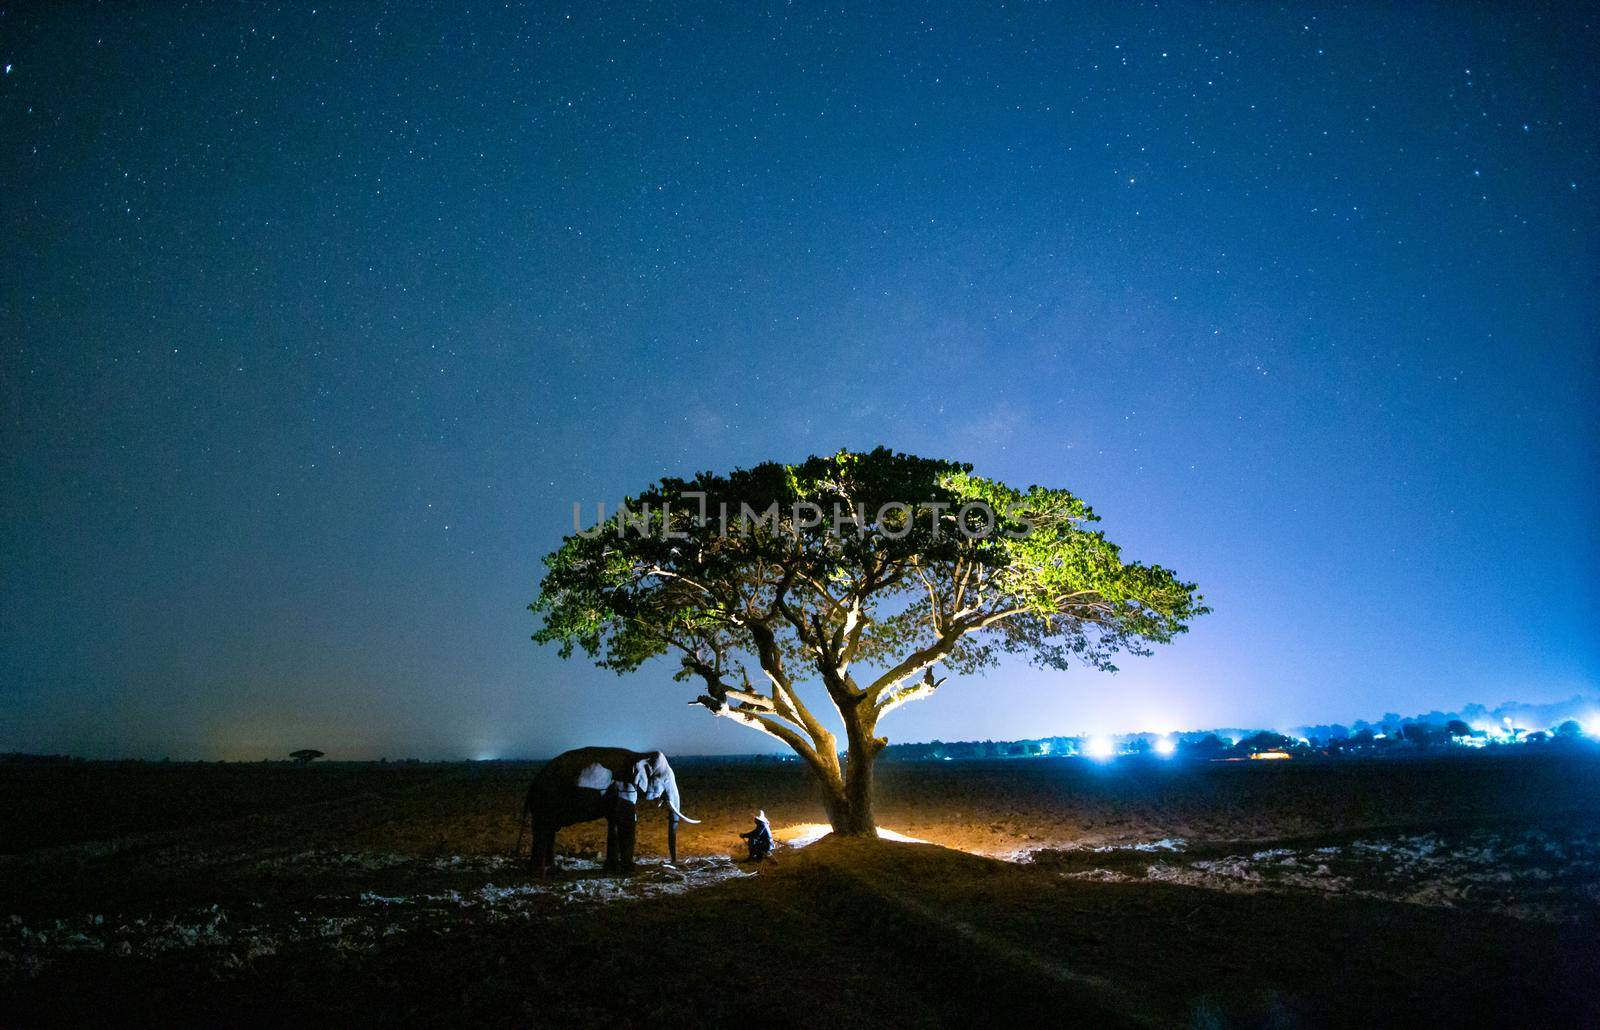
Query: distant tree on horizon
1264, 740
306, 756
1209, 746
1417, 733
1362, 738
903, 587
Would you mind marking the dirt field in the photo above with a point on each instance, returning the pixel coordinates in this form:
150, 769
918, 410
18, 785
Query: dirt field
1283, 894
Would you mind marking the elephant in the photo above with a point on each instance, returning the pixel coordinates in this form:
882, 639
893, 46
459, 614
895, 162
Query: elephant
600, 783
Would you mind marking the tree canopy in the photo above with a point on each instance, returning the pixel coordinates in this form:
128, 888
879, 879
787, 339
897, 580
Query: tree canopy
765, 578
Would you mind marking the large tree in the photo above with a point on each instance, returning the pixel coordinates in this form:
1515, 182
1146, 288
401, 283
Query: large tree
867, 574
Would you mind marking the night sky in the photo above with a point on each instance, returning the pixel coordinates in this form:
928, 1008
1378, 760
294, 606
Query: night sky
316, 320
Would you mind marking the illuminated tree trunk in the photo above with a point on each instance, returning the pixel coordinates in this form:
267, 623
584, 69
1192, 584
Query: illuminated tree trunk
848, 792
858, 817
846, 779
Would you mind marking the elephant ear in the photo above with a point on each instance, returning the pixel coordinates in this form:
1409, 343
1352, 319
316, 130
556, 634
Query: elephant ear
644, 779
595, 777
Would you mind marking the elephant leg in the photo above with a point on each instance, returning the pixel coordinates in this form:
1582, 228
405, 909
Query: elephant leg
542, 849
627, 832
611, 839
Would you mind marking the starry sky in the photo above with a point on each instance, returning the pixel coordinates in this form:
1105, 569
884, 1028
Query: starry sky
315, 320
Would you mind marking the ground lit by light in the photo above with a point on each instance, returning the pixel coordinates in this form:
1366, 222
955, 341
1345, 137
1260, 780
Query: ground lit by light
801, 834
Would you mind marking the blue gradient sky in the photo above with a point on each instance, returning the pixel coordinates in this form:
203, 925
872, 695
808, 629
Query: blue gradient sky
316, 320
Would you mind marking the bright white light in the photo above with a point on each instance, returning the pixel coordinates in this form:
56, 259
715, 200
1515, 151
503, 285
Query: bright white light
1100, 748
1166, 746
802, 834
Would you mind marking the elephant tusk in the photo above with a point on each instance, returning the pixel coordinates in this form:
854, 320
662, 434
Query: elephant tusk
680, 815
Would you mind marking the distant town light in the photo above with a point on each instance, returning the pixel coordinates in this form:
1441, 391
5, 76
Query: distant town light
1100, 748
1166, 746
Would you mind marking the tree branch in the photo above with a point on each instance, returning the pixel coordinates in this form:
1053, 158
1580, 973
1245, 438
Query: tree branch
783, 689
855, 624
761, 723
925, 658
718, 694
935, 607
901, 695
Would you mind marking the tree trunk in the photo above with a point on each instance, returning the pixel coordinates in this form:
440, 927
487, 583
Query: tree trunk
858, 819
848, 800
849, 797
846, 781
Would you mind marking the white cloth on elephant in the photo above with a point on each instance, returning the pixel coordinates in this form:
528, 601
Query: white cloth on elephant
597, 777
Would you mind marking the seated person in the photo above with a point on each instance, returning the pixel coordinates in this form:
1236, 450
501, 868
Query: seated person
760, 838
